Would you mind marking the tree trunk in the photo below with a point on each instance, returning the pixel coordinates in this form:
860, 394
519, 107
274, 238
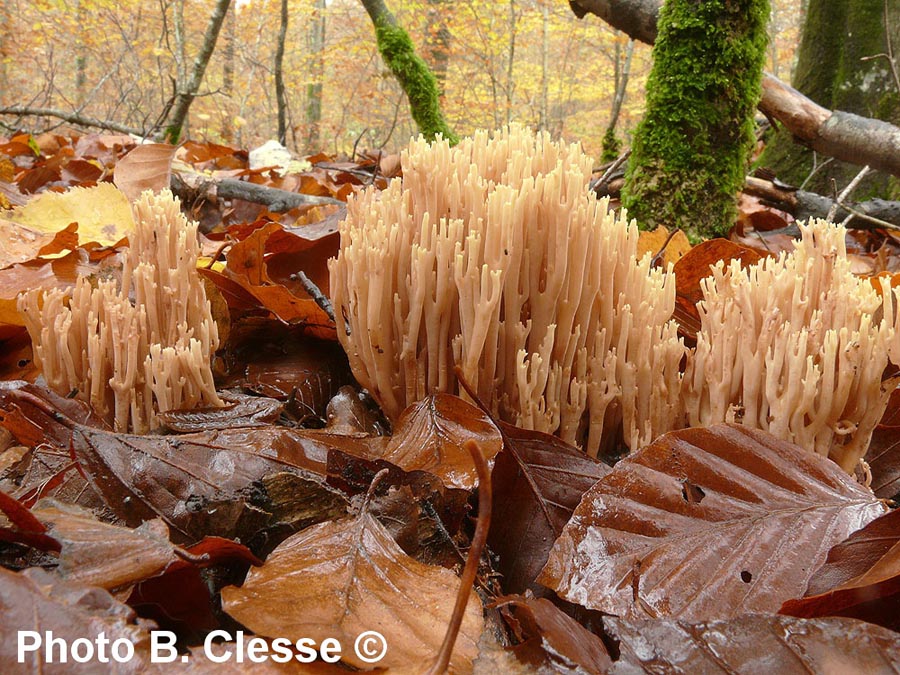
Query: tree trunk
839, 67
316, 42
5, 41
621, 73
437, 39
185, 96
544, 119
80, 55
413, 74
690, 152
278, 73
228, 72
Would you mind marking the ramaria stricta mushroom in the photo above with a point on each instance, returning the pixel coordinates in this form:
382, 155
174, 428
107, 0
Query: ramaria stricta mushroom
138, 347
495, 256
796, 345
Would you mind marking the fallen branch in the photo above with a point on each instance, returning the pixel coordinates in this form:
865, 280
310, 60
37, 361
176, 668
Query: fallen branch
70, 117
845, 136
804, 205
188, 185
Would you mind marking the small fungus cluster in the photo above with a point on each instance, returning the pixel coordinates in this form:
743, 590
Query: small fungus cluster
139, 346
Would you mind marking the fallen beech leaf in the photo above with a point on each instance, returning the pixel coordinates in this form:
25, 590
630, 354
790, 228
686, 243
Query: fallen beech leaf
241, 411
39, 601
860, 578
883, 457
103, 213
759, 643
565, 643
537, 482
204, 483
21, 243
180, 598
340, 579
248, 261
147, 167
638, 545
430, 434
106, 556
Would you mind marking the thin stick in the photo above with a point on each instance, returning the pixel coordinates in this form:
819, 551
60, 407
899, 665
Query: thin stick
475, 550
838, 201
315, 293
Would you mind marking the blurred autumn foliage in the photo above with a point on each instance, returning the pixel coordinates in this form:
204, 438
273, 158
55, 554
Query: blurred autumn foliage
530, 61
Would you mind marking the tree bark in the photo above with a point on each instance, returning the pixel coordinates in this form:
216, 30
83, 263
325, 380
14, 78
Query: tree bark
842, 64
316, 43
690, 152
278, 73
804, 205
274, 199
637, 18
413, 74
185, 97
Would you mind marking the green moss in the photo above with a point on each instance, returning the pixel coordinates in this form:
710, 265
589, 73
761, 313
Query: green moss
416, 78
690, 152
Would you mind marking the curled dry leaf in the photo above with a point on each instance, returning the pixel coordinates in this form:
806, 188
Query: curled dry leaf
860, 578
39, 601
538, 480
147, 167
752, 644
430, 434
340, 579
706, 524
263, 263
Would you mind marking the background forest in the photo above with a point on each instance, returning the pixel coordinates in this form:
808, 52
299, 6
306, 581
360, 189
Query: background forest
530, 61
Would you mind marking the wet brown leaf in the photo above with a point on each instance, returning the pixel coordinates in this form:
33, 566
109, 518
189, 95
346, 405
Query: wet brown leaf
753, 644
204, 483
340, 579
240, 410
563, 642
860, 578
430, 434
537, 482
39, 601
706, 524
101, 555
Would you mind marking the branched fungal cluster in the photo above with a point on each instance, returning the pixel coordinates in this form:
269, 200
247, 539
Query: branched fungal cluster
136, 347
494, 256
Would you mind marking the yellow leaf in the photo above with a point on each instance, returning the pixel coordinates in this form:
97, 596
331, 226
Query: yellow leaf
103, 213
653, 242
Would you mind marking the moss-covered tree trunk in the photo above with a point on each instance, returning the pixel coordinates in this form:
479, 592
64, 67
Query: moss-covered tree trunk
835, 69
411, 71
689, 154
